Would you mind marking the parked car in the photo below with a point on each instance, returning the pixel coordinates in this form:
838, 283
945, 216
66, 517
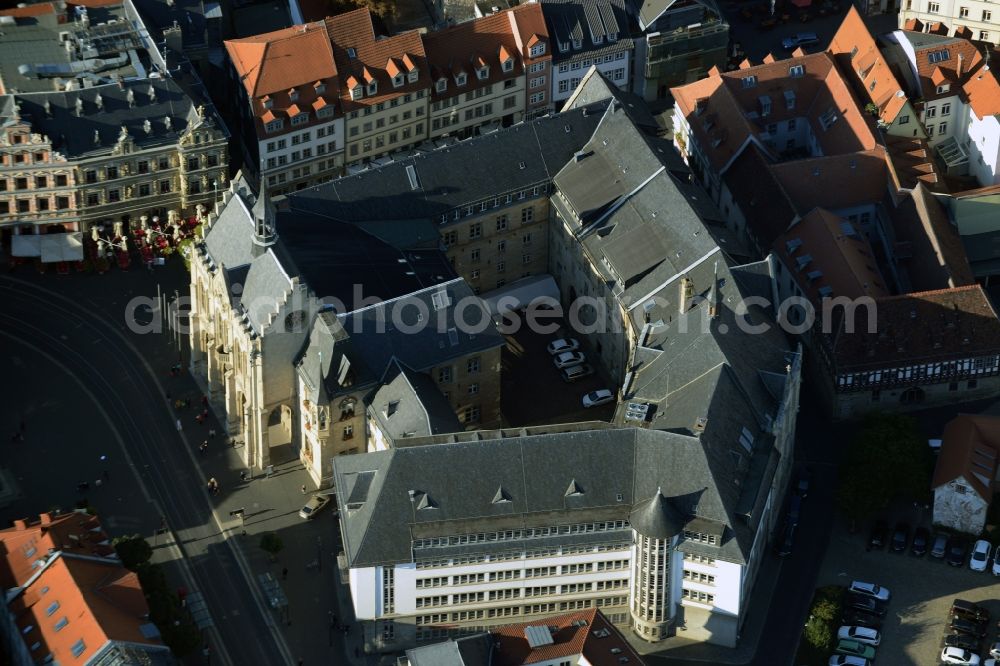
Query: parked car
568, 359
980, 555
966, 626
865, 604
799, 39
861, 619
940, 547
900, 538
921, 539
563, 345
598, 397
963, 641
969, 610
855, 648
869, 589
848, 660
860, 634
314, 506
954, 655
573, 373
877, 537
996, 562
995, 651
957, 551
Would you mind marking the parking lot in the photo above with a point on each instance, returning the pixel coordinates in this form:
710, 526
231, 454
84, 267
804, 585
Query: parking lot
533, 391
922, 589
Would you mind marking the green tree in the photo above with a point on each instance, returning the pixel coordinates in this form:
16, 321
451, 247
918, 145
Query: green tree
132, 550
271, 544
818, 634
888, 459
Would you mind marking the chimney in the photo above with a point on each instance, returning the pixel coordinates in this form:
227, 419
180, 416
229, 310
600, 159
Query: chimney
99, 102
46, 518
958, 67
686, 290
20, 524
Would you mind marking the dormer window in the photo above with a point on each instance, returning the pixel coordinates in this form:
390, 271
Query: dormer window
442, 85
373, 87
300, 119
483, 73
319, 87
460, 79
397, 81
563, 47
293, 94
795, 71
749, 81
326, 111
274, 126
577, 45
598, 39
412, 76
765, 105
351, 53
268, 102
537, 50
943, 88
612, 36
357, 92
508, 65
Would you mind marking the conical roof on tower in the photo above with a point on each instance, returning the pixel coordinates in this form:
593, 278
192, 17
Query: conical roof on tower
657, 518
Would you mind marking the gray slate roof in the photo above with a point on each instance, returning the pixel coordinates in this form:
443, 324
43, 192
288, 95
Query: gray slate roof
474, 650
535, 471
229, 242
73, 135
267, 286
409, 404
329, 363
488, 165
585, 20
418, 331
657, 518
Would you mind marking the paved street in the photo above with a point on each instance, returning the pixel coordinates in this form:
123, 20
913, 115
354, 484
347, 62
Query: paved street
86, 388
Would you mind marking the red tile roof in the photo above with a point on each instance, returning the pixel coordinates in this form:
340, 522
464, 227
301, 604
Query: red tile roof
837, 251
37, 9
911, 161
969, 449
100, 601
835, 182
466, 46
983, 92
858, 56
962, 58
937, 258
587, 633
923, 327
21, 546
358, 53
274, 62
724, 126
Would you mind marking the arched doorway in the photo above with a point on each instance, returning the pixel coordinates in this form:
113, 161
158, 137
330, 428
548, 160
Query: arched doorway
280, 434
912, 396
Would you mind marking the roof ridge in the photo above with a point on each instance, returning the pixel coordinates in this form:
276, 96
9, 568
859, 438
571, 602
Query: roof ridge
933, 292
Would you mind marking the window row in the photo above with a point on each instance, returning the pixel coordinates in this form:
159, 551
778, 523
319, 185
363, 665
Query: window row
530, 533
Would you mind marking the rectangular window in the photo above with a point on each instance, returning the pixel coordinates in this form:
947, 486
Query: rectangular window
164, 186
78, 648
444, 375
472, 367
943, 128
527, 215
62, 203
987, 15
946, 109
471, 414
933, 8
475, 231
963, 12
502, 223
90, 176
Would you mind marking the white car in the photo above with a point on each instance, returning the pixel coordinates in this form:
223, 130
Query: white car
313, 506
995, 650
980, 555
563, 345
954, 655
996, 562
598, 397
848, 660
869, 590
567, 359
860, 634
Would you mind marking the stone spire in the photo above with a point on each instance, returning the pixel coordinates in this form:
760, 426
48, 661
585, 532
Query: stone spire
265, 231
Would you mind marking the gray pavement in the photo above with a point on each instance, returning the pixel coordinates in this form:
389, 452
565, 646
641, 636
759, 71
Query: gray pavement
87, 387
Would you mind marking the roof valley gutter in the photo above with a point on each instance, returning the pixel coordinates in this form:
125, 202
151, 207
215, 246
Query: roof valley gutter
618, 204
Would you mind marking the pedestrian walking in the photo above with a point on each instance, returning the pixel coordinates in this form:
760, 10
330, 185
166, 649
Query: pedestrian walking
211, 433
204, 447
243, 476
303, 489
284, 573
179, 426
200, 419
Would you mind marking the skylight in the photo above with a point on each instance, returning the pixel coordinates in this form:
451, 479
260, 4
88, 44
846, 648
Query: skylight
938, 56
